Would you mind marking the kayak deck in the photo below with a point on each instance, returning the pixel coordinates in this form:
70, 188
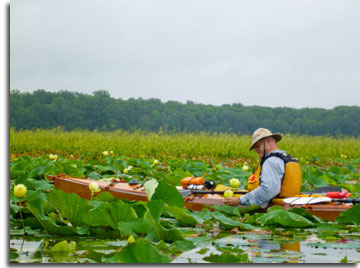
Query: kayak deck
123, 190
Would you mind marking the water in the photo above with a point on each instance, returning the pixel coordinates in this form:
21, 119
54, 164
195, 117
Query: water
261, 248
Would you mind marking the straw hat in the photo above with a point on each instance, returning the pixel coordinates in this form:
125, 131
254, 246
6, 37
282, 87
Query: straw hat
262, 133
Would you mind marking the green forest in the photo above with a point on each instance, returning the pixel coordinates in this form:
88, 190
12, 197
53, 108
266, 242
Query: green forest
73, 110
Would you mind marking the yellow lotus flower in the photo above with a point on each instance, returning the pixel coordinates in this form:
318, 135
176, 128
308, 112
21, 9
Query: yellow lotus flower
245, 168
228, 193
105, 153
156, 162
53, 156
234, 183
20, 190
131, 239
94, 187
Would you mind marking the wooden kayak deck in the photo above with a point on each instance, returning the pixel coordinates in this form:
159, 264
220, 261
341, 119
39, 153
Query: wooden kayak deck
123, 190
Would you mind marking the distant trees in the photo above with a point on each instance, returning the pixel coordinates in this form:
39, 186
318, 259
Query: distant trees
73, 110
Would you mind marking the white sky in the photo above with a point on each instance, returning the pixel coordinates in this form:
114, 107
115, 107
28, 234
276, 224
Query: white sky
295, 53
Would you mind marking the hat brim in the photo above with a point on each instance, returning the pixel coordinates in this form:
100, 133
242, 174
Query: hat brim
276, 136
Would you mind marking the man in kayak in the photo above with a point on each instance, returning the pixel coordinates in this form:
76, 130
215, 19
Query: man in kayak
270, 173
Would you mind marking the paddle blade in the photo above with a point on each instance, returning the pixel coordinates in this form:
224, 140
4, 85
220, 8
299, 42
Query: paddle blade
306, 200
324, 190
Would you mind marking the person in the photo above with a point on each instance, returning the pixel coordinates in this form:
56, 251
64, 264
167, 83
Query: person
264, 142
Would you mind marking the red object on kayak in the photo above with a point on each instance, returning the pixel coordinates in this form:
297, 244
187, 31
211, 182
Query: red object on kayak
343, 194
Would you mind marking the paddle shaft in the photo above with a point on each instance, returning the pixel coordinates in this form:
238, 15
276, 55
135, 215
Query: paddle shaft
312, 192
347, 200
215, 192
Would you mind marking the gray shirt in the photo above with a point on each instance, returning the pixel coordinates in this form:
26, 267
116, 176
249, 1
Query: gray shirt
272, 173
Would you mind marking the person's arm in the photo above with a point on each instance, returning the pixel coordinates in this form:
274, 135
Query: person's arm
272, 172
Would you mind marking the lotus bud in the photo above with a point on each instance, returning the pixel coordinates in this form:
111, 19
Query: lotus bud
126, 171
234, 183
94, 187
228, 193
245, 168
20, 190
131, 239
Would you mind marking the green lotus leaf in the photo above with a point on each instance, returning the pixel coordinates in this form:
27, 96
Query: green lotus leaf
229, 223
184, 245
64, 246
227, 258
110, 214
182, 215
278, 216
156, 208
150, 187
36, 202
135, 227
169, 194
350, 216
141, 251
72, 206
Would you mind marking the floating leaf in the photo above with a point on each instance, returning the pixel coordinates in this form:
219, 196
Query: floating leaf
227, 258
184, 245
64, 246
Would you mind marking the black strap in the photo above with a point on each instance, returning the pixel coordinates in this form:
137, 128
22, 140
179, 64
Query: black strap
286, 158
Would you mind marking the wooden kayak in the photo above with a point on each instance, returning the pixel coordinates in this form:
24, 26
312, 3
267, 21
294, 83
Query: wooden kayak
197, 202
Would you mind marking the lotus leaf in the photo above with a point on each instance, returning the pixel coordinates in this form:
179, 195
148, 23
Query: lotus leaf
169, 194
227, 258
350, 216
184, 245
72, 207
110, 214
229, 223
64, 246
141, 251
182, 215
278, 216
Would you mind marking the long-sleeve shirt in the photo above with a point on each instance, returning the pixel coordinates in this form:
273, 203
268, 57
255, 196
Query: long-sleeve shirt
272, 172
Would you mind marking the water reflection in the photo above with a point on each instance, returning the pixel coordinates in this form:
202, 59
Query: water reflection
259, 247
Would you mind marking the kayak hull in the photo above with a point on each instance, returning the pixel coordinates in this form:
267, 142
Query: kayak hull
123, 190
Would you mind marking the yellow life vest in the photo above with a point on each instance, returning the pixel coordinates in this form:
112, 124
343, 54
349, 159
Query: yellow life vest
291, 182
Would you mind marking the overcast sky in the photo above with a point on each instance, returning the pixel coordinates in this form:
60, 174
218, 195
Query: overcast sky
295, 53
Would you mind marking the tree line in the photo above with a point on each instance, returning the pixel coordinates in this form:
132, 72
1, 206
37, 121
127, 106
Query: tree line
73, 110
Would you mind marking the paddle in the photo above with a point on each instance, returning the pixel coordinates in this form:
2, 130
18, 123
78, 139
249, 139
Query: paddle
319, 191
317, 200
324, 190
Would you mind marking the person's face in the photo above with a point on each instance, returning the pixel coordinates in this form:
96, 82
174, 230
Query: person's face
259, 148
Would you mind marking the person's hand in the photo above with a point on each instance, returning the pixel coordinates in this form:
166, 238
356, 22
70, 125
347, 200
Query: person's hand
232, 201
